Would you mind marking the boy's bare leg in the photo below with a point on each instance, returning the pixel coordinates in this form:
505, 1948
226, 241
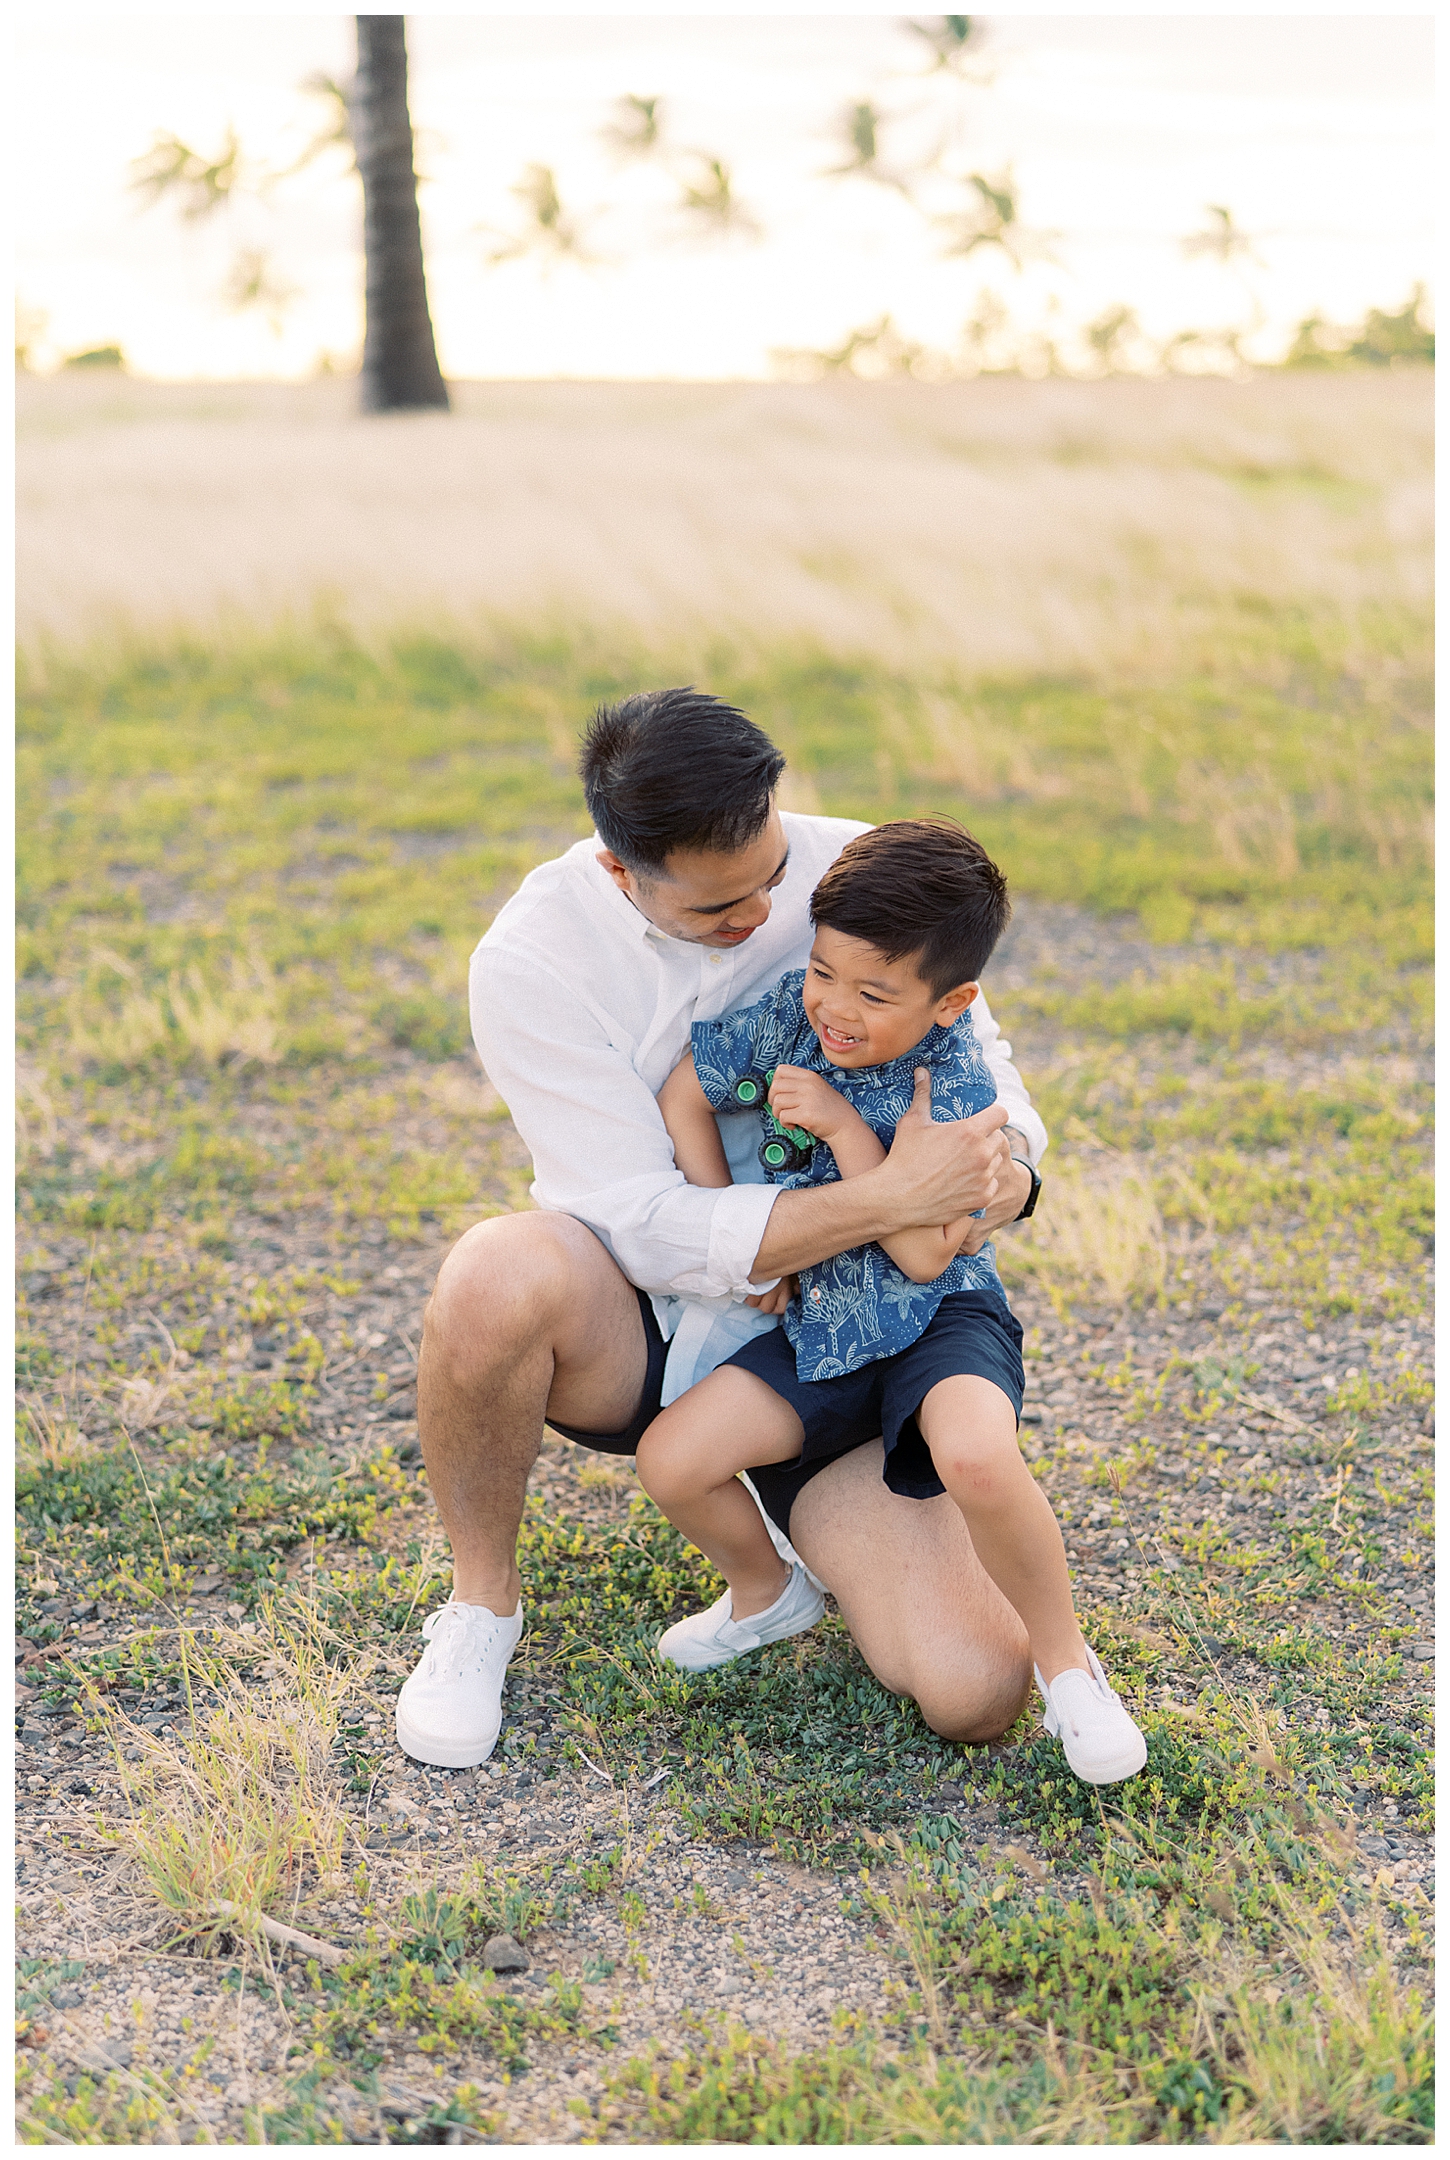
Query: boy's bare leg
971, 1429
687, 1463
922, 1610
529, 1319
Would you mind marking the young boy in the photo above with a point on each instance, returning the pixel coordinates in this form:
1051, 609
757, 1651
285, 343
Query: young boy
911, 1338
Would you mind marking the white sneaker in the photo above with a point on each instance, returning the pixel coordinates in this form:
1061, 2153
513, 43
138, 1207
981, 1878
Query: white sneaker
1099, 1739
451, 1704
713, 1638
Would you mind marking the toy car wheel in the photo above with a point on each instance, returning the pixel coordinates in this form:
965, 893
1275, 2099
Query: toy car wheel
780, 1154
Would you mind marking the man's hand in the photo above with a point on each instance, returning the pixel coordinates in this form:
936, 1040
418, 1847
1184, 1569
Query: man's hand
1013, 1189
946, 1171
807, 1099
776, 1300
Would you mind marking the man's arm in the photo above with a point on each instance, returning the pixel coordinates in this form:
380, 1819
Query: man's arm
921, 1248
807, 1099
602, 1155
599, 1147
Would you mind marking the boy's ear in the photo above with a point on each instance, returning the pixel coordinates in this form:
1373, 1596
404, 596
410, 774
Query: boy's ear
955, 1003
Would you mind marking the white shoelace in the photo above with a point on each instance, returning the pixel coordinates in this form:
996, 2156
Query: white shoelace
458, 1636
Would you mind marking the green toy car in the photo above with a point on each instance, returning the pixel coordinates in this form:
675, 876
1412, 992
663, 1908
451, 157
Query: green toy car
785, 1147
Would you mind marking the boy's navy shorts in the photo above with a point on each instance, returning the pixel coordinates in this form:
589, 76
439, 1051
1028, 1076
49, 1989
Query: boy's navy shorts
970, 1333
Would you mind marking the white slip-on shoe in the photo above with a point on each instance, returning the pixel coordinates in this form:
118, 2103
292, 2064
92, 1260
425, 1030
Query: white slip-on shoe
713, 1638
1099, 1739
451, 1704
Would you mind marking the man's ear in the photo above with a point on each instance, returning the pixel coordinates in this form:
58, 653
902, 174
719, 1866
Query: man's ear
955, 1003
608, 860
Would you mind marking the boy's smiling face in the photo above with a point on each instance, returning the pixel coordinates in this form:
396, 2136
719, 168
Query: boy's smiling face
866, 1009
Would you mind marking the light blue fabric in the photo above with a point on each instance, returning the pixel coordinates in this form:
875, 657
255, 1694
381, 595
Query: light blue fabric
859, 1306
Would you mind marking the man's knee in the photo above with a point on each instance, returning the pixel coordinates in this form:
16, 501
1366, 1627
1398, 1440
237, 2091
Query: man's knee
502, 1285
977, 1697
977, 1711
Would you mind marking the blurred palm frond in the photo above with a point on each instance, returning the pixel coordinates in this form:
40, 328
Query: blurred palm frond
955, 41
637, 130
548, 230
200, 184
872, 352
712, 199
252, 283
335, 132
1222, 239
989, 220
859, 132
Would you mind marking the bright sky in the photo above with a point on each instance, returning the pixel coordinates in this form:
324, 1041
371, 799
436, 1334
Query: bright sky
1315, 130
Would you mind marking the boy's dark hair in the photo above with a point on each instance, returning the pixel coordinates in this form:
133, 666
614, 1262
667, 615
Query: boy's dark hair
918, 889
671, 769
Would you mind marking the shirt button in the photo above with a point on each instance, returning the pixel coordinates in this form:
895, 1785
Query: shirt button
715, 959
816, 1295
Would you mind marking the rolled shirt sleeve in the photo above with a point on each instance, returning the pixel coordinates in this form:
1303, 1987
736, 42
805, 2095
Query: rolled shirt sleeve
598, 1142
1010, 1091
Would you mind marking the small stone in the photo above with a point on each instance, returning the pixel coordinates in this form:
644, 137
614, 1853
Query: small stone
106, 2055
502, 1954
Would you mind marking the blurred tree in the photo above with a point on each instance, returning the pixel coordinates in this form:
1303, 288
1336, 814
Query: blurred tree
198, 184
400, 370
1382, 339
1222, 240
955, 41
30, 327
710, 199
253, 283
98, 356
990, 219
860, 135
336, 130
637, 127
548, 229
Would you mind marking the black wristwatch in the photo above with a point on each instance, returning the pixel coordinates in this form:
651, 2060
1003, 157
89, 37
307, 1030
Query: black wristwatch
1031, 1200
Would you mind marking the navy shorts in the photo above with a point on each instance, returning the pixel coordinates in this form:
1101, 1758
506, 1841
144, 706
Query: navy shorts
970, 1333
626, 1441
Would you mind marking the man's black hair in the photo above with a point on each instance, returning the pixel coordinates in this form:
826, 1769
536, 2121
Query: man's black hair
676, 769
918, 889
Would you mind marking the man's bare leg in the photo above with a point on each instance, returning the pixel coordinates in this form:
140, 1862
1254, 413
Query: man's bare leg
923, 1611
529, 1319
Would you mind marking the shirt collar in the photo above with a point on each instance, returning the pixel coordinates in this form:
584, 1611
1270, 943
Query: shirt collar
623, 912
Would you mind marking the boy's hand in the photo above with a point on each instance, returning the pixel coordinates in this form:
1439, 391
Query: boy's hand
776, 1300
806, 1099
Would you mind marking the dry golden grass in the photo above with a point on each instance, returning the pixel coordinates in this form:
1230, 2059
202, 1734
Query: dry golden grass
1102, 1239
235, 1817
1001, 523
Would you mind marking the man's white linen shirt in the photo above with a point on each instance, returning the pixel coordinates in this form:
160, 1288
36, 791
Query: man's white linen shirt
581, 1009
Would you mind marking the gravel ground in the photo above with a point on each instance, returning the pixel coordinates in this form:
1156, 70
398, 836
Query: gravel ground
726, 1928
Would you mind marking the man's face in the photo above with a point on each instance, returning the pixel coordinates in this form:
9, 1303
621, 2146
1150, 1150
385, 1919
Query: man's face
707, 898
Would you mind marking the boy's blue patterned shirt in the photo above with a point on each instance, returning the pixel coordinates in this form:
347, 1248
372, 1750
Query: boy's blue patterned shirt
858, 1307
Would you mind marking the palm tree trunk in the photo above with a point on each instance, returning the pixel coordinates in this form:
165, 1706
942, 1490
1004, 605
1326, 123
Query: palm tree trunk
400, 369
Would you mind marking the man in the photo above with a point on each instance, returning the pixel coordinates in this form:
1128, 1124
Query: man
691, 900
